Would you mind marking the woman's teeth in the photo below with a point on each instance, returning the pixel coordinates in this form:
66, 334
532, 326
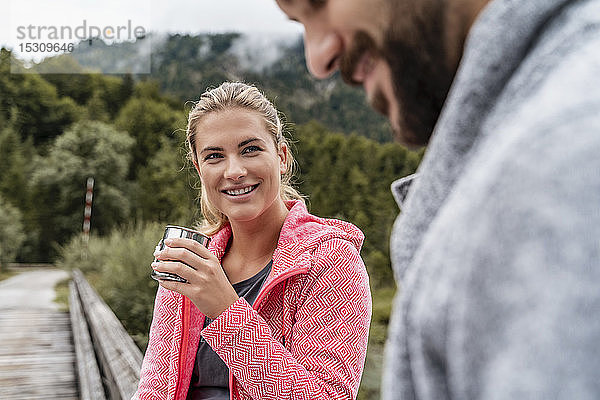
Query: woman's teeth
239, 192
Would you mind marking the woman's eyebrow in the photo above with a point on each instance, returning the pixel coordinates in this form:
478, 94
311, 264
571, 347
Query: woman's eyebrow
242, 144
211, 148
245, 142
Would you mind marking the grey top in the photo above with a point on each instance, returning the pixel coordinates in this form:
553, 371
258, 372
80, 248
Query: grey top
210, 378
497, 249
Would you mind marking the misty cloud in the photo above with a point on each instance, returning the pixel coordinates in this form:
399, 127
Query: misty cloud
258, 51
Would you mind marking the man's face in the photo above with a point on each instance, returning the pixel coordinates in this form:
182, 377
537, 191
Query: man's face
394, 49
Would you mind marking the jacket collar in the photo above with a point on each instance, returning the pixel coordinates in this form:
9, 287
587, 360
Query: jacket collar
400, 188
300, 235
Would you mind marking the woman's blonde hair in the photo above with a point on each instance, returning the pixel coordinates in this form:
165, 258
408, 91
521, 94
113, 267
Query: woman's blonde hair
230, 95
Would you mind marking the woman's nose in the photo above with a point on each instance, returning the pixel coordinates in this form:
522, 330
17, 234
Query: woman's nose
322, 51
235, 169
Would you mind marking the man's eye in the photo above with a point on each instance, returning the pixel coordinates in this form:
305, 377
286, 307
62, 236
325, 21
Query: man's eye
213, 156
317, 3
251, 149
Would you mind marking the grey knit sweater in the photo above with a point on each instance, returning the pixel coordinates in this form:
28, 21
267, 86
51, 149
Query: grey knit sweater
497, 249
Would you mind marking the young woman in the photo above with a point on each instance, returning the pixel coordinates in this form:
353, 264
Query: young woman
278, 306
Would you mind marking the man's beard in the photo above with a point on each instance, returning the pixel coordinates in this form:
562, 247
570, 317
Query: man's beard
420, 74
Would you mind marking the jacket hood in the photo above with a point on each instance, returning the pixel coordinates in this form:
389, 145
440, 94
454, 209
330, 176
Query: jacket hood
302, 227
300, 235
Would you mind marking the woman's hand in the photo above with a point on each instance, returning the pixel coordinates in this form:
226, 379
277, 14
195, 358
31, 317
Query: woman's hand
208, 287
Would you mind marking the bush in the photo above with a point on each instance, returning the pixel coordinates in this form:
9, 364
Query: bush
11, 232
118, 266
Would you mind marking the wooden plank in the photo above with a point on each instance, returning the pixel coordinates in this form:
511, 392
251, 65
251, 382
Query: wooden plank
37, 359
119, 357
90, 380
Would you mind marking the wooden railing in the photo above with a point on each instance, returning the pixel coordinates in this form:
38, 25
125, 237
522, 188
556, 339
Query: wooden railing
108, 361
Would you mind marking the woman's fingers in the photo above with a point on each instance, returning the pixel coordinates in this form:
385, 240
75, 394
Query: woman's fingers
179, 254
187, 251
174, 286
173, 267
208, 287
189, 244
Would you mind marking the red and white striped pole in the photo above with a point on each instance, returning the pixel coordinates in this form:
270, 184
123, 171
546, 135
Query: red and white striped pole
87, 213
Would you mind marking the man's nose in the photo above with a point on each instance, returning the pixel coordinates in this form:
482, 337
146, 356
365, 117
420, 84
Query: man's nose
322, 52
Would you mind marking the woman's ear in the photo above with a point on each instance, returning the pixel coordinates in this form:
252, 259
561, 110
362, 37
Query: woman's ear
196, 166
283, 155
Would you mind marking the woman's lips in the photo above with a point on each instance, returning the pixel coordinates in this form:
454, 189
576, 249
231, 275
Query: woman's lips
240, 191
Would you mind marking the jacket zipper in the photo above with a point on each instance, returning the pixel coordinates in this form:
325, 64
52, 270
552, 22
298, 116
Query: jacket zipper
261, 296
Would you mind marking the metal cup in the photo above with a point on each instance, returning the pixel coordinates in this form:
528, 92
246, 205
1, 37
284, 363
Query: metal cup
173, 231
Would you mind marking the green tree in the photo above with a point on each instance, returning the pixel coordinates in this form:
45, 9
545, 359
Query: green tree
147, 121
33, 104
58, 184
96, 109
110, 93
166, 187
11, 232
78, 86
16, 166
115, 92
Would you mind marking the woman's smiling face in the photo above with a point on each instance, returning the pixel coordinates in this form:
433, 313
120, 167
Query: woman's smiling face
239, 165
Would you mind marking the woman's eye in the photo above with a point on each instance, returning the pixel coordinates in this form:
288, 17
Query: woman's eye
213, 156
251, 149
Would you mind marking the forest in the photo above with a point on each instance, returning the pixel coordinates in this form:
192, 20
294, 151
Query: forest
127, 131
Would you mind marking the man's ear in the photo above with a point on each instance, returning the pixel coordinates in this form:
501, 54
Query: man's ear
283, 155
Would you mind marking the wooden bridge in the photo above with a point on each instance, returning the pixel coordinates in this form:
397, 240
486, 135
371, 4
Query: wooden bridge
46, 353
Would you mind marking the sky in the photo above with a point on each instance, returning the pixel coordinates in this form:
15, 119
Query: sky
172, 16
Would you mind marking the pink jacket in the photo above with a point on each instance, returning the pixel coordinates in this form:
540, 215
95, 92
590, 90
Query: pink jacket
305, 337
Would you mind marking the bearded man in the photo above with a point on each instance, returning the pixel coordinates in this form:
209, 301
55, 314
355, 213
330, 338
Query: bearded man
497, 250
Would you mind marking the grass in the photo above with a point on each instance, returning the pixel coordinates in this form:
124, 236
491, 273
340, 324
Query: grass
5, 274
62, 290
371, 379
62, 294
